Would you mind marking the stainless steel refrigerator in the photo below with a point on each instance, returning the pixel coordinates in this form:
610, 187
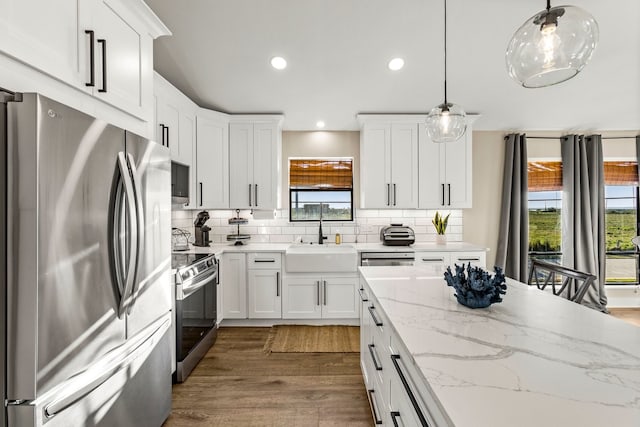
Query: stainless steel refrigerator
87, 303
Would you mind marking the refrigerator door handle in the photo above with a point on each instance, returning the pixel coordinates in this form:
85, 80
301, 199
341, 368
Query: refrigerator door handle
132, 238
140, 225
89, 380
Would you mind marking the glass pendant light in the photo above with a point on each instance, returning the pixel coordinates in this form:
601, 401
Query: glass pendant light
552, 46
447, 122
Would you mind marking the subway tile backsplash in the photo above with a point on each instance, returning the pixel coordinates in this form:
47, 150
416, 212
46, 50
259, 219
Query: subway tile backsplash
364, 229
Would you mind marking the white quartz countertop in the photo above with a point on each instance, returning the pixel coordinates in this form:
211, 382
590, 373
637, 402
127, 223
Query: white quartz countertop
219, 248
533, 360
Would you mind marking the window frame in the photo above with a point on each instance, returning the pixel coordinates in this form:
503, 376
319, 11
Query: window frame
342, 190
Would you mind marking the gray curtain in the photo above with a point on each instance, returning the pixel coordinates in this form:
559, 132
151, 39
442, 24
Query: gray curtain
583, 240
513, 237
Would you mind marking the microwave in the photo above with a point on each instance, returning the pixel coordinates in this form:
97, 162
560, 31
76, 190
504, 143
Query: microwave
179, 184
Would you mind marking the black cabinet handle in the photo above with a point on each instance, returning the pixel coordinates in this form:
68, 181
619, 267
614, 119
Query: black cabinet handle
432, 259
103, 42
469, 259
449, 185
318, 291
375, 319
394, 416
249, 194
362, 295
372, 352
324, 288
200, 194
92, 59
394, 194
442, 195
388, 194
265, 260
277, 283
255, 191
412, 398
374, 407
168, 133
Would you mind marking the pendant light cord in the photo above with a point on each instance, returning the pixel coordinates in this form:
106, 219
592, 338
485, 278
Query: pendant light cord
548, 5
445, 52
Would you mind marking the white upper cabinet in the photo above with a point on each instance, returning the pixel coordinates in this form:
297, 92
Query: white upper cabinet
255, 145
446, 172
175, 121
103, 47
48, 35
388, 162
212, 160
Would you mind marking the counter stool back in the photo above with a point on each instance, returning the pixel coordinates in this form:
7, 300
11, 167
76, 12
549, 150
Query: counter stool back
566, 282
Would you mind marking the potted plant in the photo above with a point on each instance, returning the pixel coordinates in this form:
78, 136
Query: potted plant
440, 223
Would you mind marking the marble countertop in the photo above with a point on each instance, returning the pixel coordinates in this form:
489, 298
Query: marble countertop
533, 360
219, 248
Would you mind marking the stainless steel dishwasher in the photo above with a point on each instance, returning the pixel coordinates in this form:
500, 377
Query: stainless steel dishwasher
387, 258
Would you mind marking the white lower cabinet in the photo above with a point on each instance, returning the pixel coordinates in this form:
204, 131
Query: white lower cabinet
309, 296
233, 278
264, 285
397, 394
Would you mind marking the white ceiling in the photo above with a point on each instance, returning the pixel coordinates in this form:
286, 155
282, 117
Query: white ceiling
337, 51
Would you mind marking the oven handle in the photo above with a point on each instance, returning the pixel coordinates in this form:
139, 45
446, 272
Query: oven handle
183, 292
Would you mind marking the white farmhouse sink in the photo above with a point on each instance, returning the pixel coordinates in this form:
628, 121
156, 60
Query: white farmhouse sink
306, 258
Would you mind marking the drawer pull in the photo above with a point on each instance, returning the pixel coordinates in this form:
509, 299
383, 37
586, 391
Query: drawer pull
374, 407
432, 259
375, 319
264, 260
372, 351
412, 398
363, 297
469, 259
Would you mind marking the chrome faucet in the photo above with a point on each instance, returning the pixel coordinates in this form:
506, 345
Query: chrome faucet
321, 238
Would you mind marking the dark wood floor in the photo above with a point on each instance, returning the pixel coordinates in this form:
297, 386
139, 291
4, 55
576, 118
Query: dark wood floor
238, 384
631, 315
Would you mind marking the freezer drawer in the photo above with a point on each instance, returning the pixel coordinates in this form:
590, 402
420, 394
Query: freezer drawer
126, 388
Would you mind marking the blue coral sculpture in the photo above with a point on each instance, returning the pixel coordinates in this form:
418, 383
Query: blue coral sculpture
476, 289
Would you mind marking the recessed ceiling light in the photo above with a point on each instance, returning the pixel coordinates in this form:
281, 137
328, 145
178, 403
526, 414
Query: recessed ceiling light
279, 63
320, 124
396, 64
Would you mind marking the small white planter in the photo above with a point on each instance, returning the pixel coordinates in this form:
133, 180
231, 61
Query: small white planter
441, 239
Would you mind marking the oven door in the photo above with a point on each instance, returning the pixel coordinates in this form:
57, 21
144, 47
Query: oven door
195, 315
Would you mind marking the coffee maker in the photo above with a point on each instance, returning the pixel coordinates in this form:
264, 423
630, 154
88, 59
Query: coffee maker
202, 231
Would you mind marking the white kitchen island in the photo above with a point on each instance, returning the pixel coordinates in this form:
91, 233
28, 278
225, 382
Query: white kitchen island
533, 360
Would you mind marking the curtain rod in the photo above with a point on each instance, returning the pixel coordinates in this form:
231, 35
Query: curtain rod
560, 137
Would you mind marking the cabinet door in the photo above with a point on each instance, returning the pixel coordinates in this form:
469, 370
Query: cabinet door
186, 138
219, 304
404, 165
212, 164
265, 301
301, 298
265, 165
48, 35
458, 172
168, 126
477, 259
375, 168
431, 161
120, 84
234, 285
436, 261
241, 195
340, 298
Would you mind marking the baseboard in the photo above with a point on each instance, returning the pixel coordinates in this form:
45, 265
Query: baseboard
271, 322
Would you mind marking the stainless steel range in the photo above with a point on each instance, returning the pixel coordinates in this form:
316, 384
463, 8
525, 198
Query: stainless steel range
196, 280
